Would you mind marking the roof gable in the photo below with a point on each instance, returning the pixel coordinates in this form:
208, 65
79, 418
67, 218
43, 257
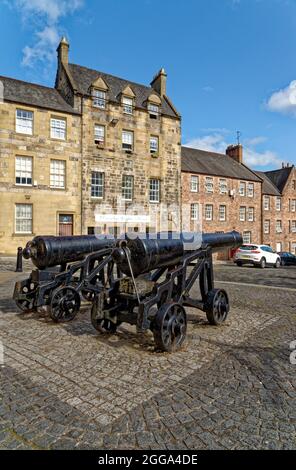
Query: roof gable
128, 92
100, 83
280, 177
268, 187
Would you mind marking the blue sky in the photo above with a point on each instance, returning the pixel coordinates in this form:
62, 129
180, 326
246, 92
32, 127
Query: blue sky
231, 64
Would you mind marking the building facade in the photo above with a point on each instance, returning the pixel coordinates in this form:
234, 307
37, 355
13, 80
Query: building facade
222, 192
284, 215
40, 165
70, 155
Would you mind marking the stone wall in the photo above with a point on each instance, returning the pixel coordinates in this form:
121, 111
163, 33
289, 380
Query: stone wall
47, 203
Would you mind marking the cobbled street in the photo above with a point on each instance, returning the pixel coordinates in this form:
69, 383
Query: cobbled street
65, 386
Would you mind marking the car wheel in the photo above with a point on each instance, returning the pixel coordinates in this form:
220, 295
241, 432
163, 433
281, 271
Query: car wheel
263, 263
283, 263
239, 263
278, 263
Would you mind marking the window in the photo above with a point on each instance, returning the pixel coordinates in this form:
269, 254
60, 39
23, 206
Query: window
154, 192
99, 134
194, 185
222, 213
57, 174
94, 230
58, 129
153, 111
127, 140
294, 184
266, 203
278, 203
127, 187
23, 218
209, 184
293, 226
247, 237
251, 189
242, 188
209, 212
23, 170
127, 104
97, 184
251, 212
267, 226
223, 186
154, 144
242, 214
194, 212
293, 205
99, 99
278, 226
24, 122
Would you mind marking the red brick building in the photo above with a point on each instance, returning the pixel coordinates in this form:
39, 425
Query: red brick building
222, 191
285, 181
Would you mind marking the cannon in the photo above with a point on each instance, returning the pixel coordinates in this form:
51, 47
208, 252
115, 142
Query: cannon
158, 275
64, 264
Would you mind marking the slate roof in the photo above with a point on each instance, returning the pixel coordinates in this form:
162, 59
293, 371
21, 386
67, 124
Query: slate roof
32, 94
280, 177
215, 164
84, 77
268, 187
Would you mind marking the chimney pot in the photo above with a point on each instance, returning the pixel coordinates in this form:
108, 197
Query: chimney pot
63, 51
235, 152
159, 82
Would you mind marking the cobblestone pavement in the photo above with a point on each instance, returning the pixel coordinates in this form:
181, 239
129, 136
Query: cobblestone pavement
66, 386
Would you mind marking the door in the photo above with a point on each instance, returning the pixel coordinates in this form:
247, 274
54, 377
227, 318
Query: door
65, 225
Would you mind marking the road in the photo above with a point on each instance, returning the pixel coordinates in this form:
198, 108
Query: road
65, 386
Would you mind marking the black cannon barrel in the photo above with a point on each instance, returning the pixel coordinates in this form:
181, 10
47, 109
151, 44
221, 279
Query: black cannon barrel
48, 251
146, 254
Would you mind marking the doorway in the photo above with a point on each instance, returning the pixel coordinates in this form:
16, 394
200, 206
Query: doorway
65, 225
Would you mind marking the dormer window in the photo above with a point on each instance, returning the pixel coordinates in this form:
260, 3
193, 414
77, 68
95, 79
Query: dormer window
153, 111
128, 105
99, 98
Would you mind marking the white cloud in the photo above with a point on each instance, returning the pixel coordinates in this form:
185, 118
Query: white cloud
208, 89
217, 143
284, 101
45, 17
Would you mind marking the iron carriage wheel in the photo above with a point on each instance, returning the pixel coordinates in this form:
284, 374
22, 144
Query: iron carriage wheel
169, 327
217, 306
65, 304
27, 304
101, 324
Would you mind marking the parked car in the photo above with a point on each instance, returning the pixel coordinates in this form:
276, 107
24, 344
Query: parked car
287, 259
258, 255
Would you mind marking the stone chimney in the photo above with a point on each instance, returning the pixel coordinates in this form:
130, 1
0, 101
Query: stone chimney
235, 152
63, 51
159, 82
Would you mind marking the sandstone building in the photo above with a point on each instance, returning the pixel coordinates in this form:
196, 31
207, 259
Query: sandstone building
69, 153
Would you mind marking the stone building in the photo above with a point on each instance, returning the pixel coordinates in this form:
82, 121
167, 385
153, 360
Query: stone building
273, 233
222, 192
285, 214
131, 146
40, 164
68, 155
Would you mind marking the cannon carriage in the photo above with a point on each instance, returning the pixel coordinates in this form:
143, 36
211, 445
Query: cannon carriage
66, 269
159, 275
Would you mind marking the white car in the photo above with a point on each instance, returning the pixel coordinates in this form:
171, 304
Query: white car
258, 255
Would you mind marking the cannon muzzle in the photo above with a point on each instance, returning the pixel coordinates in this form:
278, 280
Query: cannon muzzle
48, 251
